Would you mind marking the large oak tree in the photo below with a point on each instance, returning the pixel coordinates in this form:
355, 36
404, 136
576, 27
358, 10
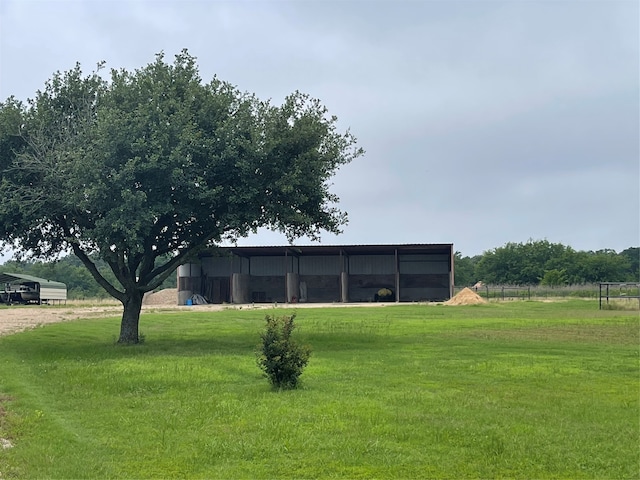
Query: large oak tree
146, 168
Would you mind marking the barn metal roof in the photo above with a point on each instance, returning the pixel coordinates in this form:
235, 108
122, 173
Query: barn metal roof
260, 251
20, 277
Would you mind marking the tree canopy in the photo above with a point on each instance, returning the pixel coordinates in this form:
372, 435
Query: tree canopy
146, 168
552, 264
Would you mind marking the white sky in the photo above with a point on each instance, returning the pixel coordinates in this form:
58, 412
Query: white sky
484, 122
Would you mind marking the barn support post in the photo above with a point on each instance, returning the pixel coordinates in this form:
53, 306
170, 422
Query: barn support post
287, 295
397, 262
292, 285
230, 278
344, 287
452, 279
344, 277
240, 288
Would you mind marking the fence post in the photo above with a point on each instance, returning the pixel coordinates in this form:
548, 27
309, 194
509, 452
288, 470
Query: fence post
600, 295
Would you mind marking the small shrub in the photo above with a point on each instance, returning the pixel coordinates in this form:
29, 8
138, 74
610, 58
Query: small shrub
281, 358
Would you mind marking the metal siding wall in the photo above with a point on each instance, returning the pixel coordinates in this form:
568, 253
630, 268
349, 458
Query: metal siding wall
221, 266
189, 270
268, 266
320, 265
372, 264
426, 257
424, 277
427, 294
52, 293
267, 288
424, 267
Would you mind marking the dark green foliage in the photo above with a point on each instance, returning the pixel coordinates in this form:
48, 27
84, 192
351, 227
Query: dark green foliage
281, 358
464, 268
553, 264
554, 278
70, 270
632, 255
144, 169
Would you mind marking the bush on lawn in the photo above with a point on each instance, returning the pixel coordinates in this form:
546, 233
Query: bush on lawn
281, 358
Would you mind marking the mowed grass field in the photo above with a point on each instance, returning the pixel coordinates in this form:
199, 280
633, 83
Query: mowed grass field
503, 390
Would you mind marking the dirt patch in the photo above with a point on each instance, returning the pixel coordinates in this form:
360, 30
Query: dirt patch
466, 296
23, 317
17, 318
168, 296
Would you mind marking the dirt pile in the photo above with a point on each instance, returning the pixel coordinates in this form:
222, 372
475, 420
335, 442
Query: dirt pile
168, 296
466, 296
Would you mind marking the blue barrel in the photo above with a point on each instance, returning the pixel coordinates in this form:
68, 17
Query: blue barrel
189, 302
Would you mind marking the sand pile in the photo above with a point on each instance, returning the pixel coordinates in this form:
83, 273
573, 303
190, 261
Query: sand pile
168, 296
466, 296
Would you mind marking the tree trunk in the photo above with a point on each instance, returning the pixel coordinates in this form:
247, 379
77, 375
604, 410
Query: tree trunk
130, 318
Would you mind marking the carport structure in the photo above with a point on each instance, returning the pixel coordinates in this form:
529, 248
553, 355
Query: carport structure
319, 273
21, 288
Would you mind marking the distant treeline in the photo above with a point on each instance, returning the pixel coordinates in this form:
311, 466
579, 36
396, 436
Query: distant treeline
539, 262
532, 263
71, 271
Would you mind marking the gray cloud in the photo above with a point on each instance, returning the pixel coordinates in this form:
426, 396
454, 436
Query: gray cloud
483, 122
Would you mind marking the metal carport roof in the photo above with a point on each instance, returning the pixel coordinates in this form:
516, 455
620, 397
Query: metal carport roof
20, 277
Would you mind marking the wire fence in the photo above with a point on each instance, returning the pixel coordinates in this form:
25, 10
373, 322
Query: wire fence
614, 294
619, 291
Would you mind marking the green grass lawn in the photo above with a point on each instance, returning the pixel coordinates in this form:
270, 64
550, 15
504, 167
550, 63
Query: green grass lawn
515, 390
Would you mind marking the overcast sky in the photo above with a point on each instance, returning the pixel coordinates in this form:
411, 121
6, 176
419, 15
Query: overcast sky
484, 122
